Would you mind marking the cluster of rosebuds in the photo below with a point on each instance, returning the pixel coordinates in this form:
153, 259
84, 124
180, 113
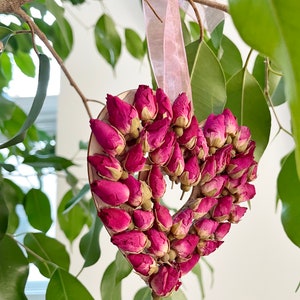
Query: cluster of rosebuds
142, 144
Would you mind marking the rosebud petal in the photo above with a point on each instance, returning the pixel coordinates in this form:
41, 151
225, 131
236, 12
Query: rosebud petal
176, 164
205, 228
208, 169
214, 187
201, 148
239, 165
164, 105
231, 123
186, 246
110, 192
222, 157
242, 139
133, 241
237, 212
214, 130
222, 230
108, 137
142, 219
134, 160
145, 103
203, 206
143, 263
186, 266
162, 217
182, 111
245, 192
115, 219
207, 247
156, 182
191, 173
160, 244
223, 208
189, 136
182, 222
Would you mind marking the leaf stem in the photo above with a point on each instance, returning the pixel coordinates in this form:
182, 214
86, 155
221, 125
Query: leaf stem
192, 3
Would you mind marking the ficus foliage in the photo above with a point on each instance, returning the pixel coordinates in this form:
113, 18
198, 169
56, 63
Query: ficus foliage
217, 73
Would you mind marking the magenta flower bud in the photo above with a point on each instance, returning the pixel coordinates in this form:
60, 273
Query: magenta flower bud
162, 155
176, 164
222, 157
207, 247
204, 206
165, 281
208, 169
191, 173
252, 171
182, 111
186, 266
205, 228
156, 182
160, 244
186, 246
106, 166
239, 165
182, 222
164, 105
122, 115
245, 192
214, 130
142, 219
223, 209
201, 148
134, 160
233, 184
222, 230
162, 216
143, 263
133, 241
242, 139
115, 219
111, 192
189, 136
231, 123
214, 187
108, 137
237, 212
145, 103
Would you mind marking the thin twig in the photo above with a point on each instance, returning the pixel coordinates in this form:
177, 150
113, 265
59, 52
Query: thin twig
213, 4
198, 19
153, 10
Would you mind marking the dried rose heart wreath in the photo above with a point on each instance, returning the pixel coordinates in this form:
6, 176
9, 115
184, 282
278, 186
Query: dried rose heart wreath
138, 140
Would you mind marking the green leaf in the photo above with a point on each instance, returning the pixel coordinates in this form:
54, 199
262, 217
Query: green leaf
207, 80
247, 102
64, 286
3, 218
107, 39
217, 35
7, 167
77, 198
89, 244
5, 34
134, 44
44, 69
143, 294
278, 96
178, 295
6, 109
288, 187
46, 253
25, 63
272, 28
109, 290
6, 66
123, 267
48, 161
38, 209
14, 269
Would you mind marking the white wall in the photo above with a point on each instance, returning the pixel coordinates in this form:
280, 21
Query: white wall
257, 261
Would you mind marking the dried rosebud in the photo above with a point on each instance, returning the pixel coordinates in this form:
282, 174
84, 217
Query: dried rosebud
111, 192
145, 103
237, 212
142, 219
191, 173
245, 192
115, 219
133, 241
182, 222
205, 228
162, 216
214, 187
186, 266
122, 115
242, 139
143, 263
182, 111
176, 164
222, 157
160, 244
207, 247
252, 171
239, 165
186, 246
214, 130
164, 105
231, 125
189, 136
108, 137
165, 281
204, 206
134, 160
233, 184
108, 167
222, 230
201, 148
208, 169
156, 182
223, 208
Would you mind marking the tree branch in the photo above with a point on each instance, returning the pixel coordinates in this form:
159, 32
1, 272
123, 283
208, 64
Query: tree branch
213, 4
11, 6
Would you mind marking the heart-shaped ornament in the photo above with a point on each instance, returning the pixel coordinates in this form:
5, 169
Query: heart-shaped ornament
138, 142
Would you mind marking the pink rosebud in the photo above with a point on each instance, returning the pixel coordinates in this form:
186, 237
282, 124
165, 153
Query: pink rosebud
133, 241
205, 228
134, 160
222, 230
189, 136
237, 212
165, 281
233, 184
208, 169
108, 137
214, 130
145, 103
223, 209
201, 148
250, 149
182, 222
239, 165
191, 173
242, 139
231, 123
204, 206
122, 115
162, 155
143, 263
156, 182
182, 111
162, 217
115, 219
252, 171
110, 192
214, 187
186, 246
207, 247
222, 157
186, 266
108, 167
164, 105
245, 192
160, 244
176, 164
142, 219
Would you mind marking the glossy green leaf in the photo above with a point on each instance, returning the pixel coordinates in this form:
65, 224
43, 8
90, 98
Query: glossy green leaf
64, 286
3, 217
7, 167
46, 253
247, 102
6, 66
14, 269
276, 38
77, 198
108, 41
143, 294
288, 187
123, 267
278, 96
44, 69
25, 63
217, 35
48, 161
5, 34
207, 80
134, 44
198, 272
6, 109
178, 295
38, 209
